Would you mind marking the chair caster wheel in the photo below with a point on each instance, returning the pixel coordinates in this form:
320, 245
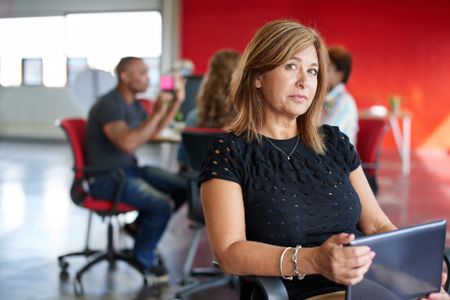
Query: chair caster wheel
64, 275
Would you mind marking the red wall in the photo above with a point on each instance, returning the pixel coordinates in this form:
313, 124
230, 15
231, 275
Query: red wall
399, 47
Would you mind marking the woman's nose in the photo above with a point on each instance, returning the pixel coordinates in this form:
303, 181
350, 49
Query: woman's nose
301, 78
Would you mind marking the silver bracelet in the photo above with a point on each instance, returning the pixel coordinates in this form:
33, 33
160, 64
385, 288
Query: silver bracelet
281, 264
295, 261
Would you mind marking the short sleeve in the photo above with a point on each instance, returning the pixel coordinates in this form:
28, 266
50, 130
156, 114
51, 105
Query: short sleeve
343, 146
222, 160
110, 112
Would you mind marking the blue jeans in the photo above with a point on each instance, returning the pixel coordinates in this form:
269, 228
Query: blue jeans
154, 193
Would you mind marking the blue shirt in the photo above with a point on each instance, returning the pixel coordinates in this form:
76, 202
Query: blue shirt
340, 110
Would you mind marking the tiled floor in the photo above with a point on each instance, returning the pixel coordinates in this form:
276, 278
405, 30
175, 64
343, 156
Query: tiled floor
38, 222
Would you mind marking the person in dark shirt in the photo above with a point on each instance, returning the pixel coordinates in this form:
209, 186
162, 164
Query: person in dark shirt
282, 194
117, 125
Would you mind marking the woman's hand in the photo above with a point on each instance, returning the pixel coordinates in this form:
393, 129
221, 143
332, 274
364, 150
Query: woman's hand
442, 295
438, 296
344, 265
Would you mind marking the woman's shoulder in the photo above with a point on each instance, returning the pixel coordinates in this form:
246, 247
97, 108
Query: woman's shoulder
333, 137
331, 133
229, 139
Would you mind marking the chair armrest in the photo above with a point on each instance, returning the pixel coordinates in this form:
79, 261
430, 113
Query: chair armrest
447, 283
272, 287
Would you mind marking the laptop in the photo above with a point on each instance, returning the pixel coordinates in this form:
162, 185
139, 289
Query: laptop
407, 264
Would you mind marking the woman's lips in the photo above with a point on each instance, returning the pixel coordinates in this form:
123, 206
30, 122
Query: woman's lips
298, 98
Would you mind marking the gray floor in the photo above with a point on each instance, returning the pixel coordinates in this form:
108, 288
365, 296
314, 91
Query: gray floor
38, 222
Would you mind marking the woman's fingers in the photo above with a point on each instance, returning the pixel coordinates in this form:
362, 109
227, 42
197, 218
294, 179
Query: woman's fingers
349, 264
438, 296
443, 278
356, 261
351, 275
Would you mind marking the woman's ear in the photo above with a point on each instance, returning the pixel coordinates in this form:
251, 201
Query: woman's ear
258, 84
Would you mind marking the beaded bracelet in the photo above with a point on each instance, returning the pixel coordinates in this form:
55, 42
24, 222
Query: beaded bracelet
281, 264
295, 261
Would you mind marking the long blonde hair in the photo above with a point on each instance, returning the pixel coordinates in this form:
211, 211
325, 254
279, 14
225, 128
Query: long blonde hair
271, 46
214, 109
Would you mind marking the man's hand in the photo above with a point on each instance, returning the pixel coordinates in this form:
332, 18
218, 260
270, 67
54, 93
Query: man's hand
162, 104
179, 87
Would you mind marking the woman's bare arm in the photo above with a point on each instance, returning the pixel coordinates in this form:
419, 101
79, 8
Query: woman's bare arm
225, 222
373, 219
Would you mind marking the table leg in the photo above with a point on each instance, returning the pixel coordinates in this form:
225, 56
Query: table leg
406, 146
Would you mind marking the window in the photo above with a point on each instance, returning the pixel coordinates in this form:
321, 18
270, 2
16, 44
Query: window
64, 43
75, 66
32, 71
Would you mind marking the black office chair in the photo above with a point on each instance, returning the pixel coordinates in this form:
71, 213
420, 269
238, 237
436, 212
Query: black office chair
196, 141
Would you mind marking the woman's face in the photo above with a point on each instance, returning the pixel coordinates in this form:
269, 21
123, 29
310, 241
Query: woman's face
289, 89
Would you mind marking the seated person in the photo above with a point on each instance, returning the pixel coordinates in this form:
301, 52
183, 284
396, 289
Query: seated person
281, 194
213, 108
340, 108
117, 125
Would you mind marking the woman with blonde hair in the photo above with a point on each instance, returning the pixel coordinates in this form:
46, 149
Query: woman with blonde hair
282, 194
214, 110
213, 107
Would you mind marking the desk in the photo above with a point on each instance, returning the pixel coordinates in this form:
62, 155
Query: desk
402, 134
162, 150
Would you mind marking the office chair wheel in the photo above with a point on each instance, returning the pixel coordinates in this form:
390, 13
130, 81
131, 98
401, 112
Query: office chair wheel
64, 275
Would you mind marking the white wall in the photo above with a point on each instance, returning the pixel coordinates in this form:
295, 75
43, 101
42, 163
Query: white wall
30, 112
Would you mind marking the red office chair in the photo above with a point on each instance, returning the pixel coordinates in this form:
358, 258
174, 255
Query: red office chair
148, 105
368, 144
75, 130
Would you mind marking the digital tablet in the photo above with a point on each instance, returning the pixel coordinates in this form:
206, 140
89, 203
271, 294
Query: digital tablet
407, 264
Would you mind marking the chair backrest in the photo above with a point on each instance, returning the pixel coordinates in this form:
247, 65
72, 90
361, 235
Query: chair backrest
148, 105
75, 130
196, 142
368, 143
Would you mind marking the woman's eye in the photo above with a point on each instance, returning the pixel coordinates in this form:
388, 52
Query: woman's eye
291, 67
313, 72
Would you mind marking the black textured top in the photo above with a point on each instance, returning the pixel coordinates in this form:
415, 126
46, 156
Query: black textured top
301, 201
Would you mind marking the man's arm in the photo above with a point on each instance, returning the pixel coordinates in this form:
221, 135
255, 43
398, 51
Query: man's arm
127, 139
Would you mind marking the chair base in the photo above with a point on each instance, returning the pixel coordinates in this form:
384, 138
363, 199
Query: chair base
111, 257
64, 265
97, 256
